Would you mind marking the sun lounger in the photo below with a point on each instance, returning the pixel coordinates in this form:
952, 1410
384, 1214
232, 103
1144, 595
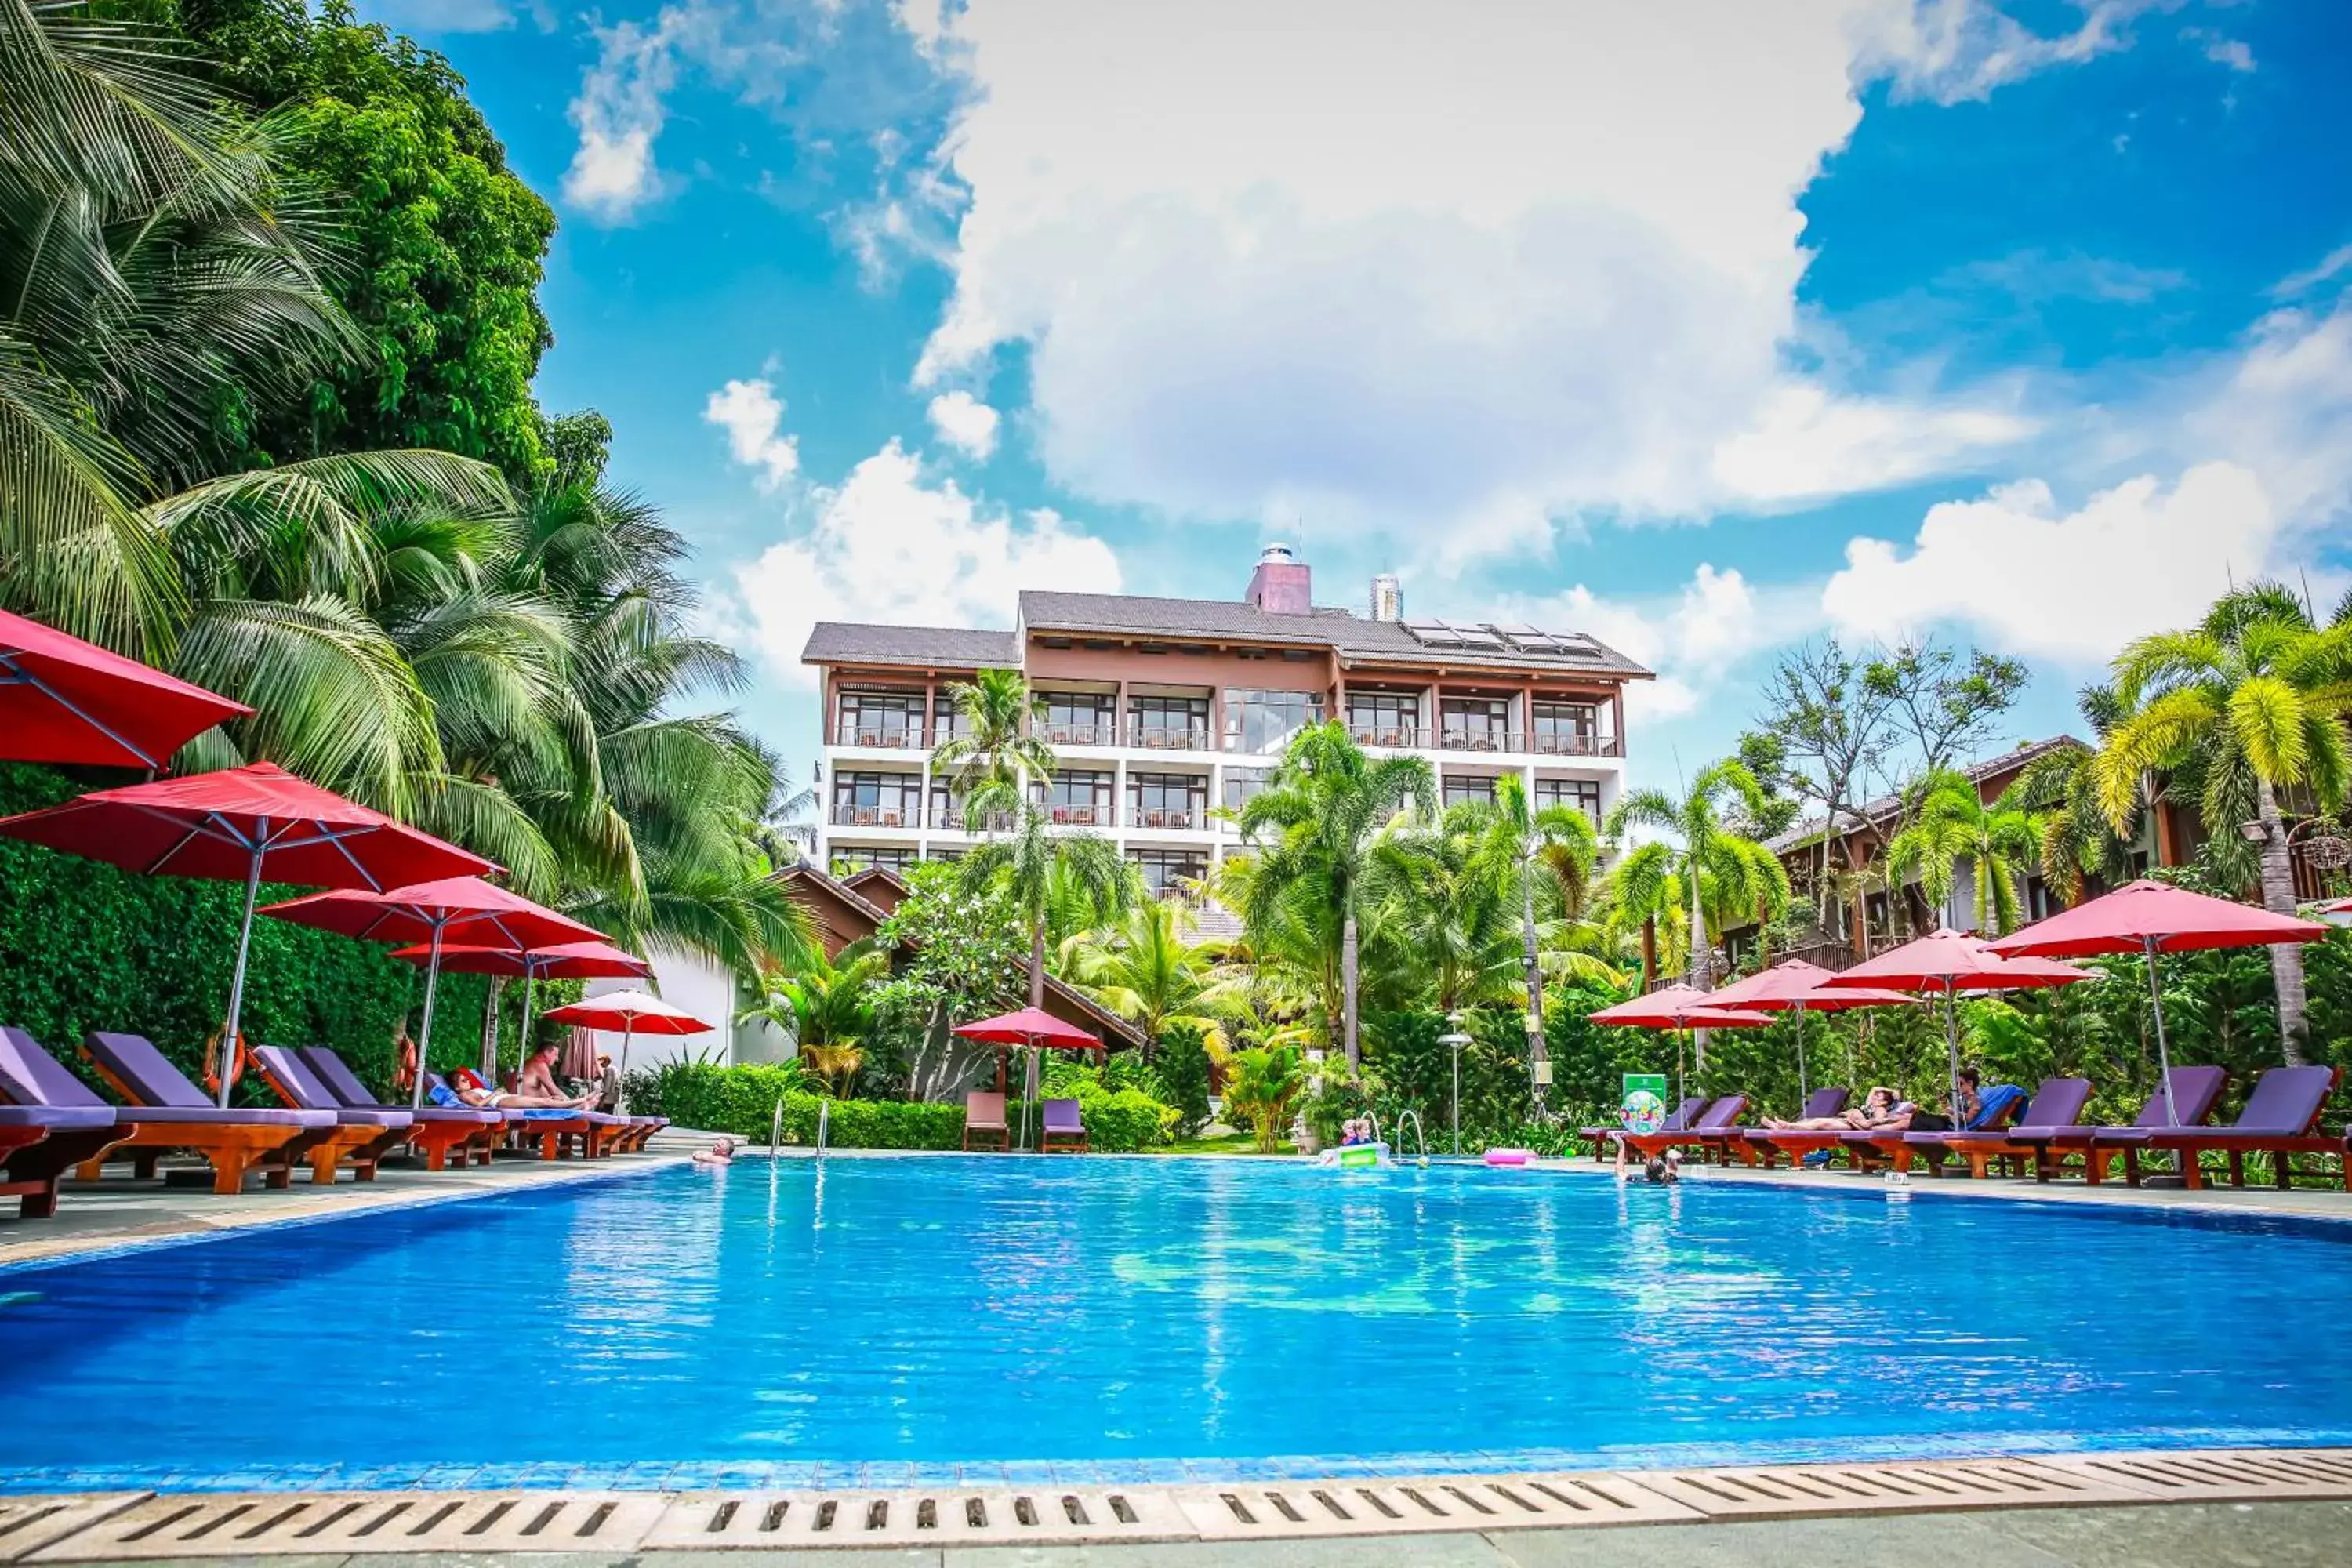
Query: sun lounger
39, 1144
1061, 1125
152, 1088
984, 1113
2196, 1089
2280, 1120
1881, 1148
438, 1132
1762, 1145
1604, 1141
1714, 1126
365, 1134
553, 1128
232, 1141
2057, 1104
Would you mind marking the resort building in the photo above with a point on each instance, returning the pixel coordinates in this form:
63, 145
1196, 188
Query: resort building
1160, 710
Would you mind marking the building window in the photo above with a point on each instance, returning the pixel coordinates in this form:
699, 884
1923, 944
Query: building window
877, 800
880, 718
1584, 794
1383, 718
851, 858
1460, 791
1474, 723
1167, 800
1169, 723
1078, 799
1165, 871
1565, 729
948, 721
1262, 721
1077, 718
1244, 785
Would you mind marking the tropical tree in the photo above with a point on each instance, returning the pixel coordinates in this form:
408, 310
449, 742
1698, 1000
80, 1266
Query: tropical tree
2247, 705
1449, 898
1144, 969
996, 747
1262, 1085
1544, 855
1034, 863
2059, 789
826, 1006
1311, 833
1951, 825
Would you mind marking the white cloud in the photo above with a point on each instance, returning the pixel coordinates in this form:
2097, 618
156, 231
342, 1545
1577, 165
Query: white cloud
1452, 271
618, 112
1951, 51
887, 546
2299, 283
752, 416
2234, 53
2072, 586
965, 423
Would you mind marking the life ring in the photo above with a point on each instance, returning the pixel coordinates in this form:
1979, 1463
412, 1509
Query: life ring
238, 1060
403, 1077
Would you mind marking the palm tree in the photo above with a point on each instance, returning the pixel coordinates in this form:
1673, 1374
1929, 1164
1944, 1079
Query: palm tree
1951, 825
2061, 789
1036, 864
2249, 704
996, 746
1543, 856
826, 1006
1144, 969
1262, 1084
1442, 889
1311, 832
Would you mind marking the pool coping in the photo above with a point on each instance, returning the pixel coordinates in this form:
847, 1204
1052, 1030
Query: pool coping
86, 1527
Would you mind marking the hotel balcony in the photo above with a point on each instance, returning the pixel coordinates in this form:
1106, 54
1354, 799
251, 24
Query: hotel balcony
1518, 743
880, 738
1160, 738
1168, 818
893, 816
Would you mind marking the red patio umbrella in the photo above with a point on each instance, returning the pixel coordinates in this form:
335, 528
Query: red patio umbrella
1037, 1029
2148, 918
633, 1012
1681, 1009
243, 824
565, 961
1795, 986
428, 912
65, 701
1950, 962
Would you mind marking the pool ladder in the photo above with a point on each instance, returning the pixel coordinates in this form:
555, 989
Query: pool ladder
1412, 1116
824, 1124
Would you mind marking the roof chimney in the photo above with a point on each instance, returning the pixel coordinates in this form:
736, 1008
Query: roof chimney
1387, 597
1282, 584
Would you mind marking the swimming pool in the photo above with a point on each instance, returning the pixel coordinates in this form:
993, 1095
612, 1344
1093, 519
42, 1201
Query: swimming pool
922, 1321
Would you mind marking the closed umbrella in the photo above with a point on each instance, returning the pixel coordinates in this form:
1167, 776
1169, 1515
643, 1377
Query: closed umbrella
1950, 962
565, 961
65, 701
491, 916
2149, 918
1681, 1009
1793, 986
1038, 1030
633, 1012
246, 823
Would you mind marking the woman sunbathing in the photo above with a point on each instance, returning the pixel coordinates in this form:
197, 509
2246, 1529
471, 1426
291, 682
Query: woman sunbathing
471, 1092
1880, 1113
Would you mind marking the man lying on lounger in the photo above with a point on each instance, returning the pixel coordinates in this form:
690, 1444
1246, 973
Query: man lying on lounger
470, 1092
1880, 1112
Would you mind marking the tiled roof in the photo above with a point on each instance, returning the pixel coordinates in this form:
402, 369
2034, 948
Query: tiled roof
1356, 638
962, 647
1887, 806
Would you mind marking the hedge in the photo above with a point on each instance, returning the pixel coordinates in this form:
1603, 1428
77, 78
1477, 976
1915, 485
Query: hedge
742, 1100
86, 946
1118, 1121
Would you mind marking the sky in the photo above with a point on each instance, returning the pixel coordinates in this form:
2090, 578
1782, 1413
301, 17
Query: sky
1713, 328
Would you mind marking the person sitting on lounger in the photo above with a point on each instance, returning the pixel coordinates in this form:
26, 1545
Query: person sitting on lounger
1966, 1107
1880, 1112
475, 1095
538, 1075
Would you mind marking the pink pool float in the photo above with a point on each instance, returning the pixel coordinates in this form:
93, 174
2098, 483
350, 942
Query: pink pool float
1508, 1156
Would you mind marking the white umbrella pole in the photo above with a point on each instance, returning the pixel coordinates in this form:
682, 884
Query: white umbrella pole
237, 981
522, 1047
2164, 1051
1804, 1090
621, 1094
425, 1035
1952, 1040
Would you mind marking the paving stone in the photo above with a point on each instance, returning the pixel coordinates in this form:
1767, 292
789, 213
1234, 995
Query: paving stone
1780, 1543
1359, 1552
2211, 1535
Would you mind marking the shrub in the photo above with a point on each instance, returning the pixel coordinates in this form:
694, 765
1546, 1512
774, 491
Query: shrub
742, 1100
1118, 1121
1183, 1069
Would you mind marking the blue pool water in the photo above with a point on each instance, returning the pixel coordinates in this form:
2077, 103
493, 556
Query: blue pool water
902, 1321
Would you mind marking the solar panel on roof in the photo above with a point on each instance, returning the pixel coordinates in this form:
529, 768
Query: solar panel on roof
1434, 634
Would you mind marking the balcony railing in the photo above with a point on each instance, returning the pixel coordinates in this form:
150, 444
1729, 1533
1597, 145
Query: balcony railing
1168, 818
1077, 815
848, 815
1159, 738
1102, 734
1520, 744
955, 819
1569, 744
880, 737
1403, 737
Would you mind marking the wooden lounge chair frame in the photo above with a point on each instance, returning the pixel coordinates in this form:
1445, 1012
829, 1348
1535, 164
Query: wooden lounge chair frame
33, 1160
233, 1150
1000, 1127
2236, 1146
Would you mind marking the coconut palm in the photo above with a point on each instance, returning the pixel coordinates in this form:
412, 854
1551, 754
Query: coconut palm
996, 747
1544, 855
2246, 705
1262, 1085
1144, 969
826, 1006
2060, 790
1951, 825
1035, 863
1311, 832
1445, 893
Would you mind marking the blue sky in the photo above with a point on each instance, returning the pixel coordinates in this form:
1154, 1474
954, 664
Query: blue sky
1709, 326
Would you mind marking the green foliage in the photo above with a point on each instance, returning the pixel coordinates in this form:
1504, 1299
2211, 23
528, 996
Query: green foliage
960, 948
1183, 1067
1263, 1085
742, 1100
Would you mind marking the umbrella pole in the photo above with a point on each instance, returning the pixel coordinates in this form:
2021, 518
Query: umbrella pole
522, 1046
1804, 1090
2163, 1050
1952, 1040
228, 1058
425, 1035
621, 1095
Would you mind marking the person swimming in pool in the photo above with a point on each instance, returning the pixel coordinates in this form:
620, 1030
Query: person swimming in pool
720, 1153
1662, 1170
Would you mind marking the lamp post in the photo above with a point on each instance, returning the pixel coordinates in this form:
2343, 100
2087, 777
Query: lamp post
1454, 1038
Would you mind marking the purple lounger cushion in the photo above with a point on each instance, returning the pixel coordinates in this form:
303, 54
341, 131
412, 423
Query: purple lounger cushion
337, 1078
57, 1118
2285, 1102
1721, 1114
1824, 1103
1062, 1116
164, 1094
2198, 1088
2055, 1105
310, 1094
30, 1076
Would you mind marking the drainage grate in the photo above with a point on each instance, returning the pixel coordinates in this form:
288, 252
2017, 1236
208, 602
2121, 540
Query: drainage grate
132, 1526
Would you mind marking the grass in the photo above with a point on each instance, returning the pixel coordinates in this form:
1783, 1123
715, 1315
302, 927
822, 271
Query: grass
1224, 1143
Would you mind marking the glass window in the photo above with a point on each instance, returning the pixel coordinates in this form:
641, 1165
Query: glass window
1262, 722
948, 721
1170, 722
1165, 871
853, 858
1565, 729
1077, 718
1479, 723
1167, 800
1463, 791
1383, 718
877, 800
1078, 799
1584, 794
1243, 784
880, 718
